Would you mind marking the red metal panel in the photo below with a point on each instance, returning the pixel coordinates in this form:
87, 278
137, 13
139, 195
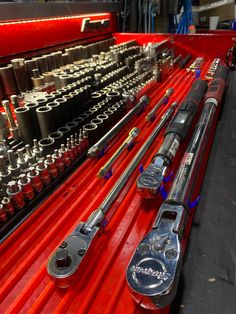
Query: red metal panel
101, 285
205, 45
27, 35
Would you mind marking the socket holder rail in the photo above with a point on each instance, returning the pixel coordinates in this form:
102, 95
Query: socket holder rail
22, 214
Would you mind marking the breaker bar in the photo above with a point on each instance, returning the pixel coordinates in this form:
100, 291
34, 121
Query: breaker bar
67, 258
154, 270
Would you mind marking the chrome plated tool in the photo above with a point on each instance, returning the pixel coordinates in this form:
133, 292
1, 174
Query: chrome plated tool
97, 147
151, 115
154, 270
69, 255
127, 142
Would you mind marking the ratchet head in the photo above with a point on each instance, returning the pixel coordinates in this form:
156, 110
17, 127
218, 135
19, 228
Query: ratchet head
154, 270
65, 261
149, 181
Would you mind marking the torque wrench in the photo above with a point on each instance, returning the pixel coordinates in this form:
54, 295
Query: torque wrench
151, 178
154, 270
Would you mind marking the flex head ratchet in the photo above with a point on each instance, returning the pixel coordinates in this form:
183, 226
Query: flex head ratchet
154, 270
149, 181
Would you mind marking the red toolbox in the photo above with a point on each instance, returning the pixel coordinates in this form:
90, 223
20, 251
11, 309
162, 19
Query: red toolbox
101, 286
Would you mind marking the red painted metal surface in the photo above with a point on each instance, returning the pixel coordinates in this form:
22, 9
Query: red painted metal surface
205, 45
28, 35
25, 286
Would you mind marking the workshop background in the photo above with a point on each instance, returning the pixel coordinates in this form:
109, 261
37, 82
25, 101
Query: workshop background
118, 157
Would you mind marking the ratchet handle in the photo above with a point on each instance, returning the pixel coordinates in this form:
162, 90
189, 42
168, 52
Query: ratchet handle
188, 109
221, 72
216, 88
196, 92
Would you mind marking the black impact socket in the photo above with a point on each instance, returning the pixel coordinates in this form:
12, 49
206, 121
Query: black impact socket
69, 107
56, 94
94, 112
25, 124
57, 112
100, 128
47, 145
65, 130
91, 130
8, 80
50, 97
73, 127
46, 120
63, 107
32, 107
115, 113
42, 102
75, 100
79, 121
111, 117
57, 137
104, 117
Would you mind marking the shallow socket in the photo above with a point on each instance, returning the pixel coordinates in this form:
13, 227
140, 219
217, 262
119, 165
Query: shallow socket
47, 145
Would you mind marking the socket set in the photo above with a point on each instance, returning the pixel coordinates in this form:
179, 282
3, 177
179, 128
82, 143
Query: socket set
45, 132
103, 150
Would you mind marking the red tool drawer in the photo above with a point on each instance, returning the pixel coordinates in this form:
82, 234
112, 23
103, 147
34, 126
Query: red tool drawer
101, 287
